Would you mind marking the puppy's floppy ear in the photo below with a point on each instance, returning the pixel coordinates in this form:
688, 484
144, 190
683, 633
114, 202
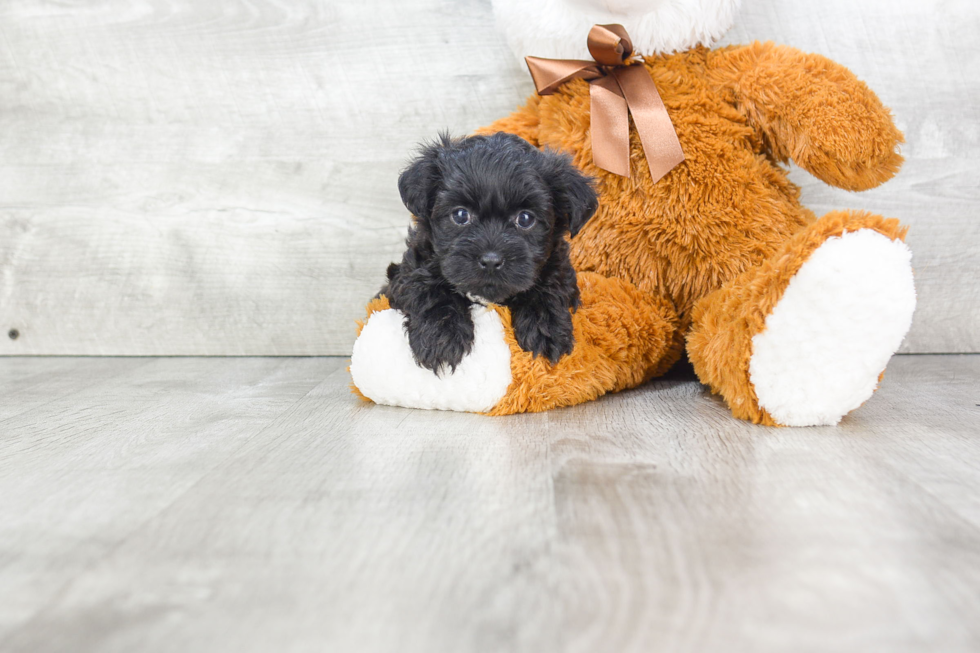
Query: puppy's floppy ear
419, 181
572, 193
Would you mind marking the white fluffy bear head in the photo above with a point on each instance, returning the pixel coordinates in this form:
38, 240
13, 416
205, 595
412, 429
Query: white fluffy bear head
557, 29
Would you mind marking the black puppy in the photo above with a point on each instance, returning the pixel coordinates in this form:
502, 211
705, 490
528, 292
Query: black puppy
491, 213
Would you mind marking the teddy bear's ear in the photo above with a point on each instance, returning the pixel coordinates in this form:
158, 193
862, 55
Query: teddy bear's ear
419, 181
572, 193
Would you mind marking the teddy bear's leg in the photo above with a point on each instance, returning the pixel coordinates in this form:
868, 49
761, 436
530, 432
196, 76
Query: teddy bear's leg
803, 338
623, 336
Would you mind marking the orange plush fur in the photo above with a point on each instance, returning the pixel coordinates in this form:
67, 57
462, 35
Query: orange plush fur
727, 220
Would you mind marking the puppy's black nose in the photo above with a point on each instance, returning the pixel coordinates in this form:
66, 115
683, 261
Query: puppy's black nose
491, 261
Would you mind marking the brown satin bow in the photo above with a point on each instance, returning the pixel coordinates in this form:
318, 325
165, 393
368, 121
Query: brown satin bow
616, 89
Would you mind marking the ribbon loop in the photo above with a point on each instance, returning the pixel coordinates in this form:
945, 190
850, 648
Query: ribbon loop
610, 45
549, 74
616, 90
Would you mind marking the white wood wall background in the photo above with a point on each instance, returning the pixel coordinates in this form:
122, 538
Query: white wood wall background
219, 177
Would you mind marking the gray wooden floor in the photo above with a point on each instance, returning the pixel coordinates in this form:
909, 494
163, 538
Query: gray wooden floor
251, 504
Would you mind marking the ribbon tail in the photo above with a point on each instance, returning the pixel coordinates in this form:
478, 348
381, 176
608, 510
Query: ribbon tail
610, 126
660, 144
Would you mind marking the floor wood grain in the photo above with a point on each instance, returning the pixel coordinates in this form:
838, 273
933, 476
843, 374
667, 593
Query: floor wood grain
247, 504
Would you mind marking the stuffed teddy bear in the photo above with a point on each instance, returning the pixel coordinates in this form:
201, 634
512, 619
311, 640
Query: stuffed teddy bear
789, 317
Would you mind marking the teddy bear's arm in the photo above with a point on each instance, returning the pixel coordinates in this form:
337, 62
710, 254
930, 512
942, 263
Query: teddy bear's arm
813, 111
522, 122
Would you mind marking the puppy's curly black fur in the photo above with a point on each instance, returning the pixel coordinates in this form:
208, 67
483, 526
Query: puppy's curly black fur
491, 214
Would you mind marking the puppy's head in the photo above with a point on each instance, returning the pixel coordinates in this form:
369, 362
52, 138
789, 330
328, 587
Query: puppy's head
493, 208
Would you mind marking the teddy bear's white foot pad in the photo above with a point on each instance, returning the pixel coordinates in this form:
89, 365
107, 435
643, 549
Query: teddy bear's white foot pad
384, 371
830, 336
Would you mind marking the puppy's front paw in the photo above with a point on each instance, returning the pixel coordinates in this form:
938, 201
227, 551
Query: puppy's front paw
441, 341
543, 332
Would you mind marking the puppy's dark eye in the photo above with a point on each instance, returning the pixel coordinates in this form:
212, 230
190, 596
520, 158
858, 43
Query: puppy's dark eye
525, 220
461, 216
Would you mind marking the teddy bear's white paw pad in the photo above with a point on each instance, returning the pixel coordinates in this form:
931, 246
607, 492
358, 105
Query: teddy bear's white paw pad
384, 371
840, 319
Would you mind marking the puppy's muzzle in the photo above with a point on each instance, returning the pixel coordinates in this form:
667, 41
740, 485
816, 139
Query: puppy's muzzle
491, 261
